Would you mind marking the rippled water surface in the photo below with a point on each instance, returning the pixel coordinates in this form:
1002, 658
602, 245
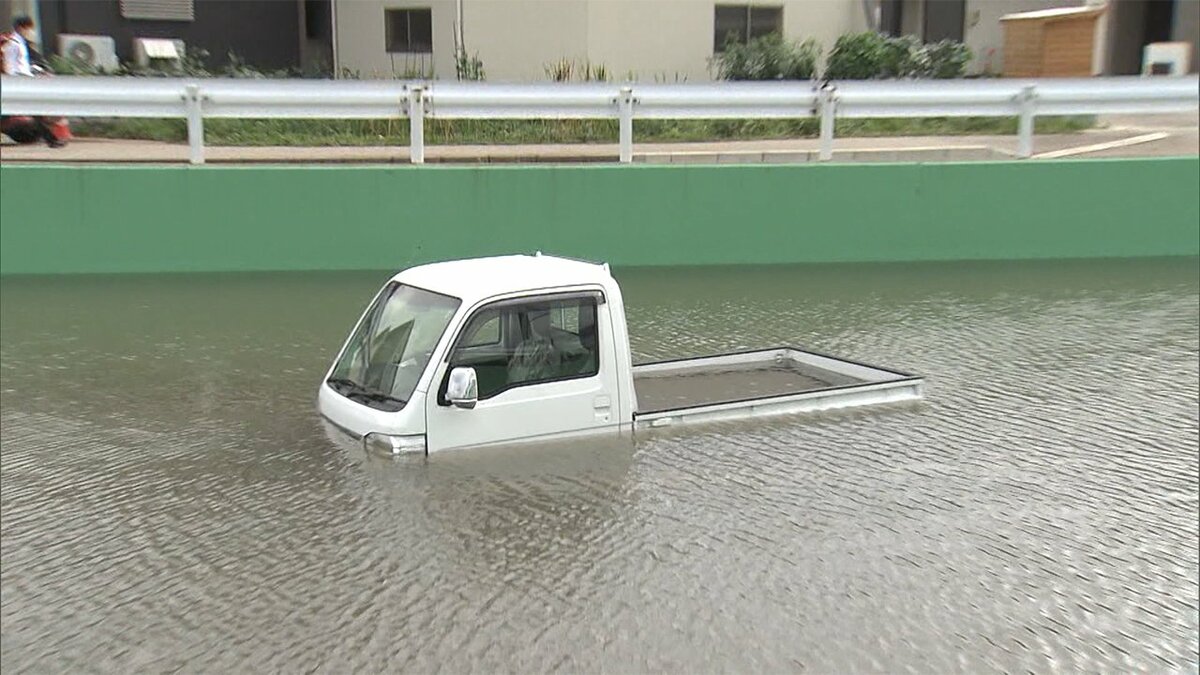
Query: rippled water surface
169, 499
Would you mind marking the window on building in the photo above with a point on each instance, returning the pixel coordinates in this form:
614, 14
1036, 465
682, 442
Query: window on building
743, 23
159, 10
409, 31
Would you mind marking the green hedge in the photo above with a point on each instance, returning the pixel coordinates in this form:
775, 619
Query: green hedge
869, 56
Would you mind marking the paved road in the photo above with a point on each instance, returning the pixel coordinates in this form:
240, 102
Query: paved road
1124, 136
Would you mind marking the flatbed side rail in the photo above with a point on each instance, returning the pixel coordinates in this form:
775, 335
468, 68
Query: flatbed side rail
830, 398
751, 356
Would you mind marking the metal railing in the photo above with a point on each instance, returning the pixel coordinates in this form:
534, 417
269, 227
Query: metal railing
197, 99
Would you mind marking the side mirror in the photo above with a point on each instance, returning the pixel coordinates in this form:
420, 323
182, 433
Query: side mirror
463, 389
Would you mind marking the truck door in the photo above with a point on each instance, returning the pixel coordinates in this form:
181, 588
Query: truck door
544, 365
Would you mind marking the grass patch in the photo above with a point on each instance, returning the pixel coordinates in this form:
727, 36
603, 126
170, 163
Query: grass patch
276, 132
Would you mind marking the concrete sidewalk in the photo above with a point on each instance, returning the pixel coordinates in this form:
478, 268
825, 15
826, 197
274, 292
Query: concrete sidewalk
1142, 136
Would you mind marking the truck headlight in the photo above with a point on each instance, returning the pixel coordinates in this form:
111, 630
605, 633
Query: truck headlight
394, 445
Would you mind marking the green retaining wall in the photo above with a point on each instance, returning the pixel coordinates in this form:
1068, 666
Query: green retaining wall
69, 219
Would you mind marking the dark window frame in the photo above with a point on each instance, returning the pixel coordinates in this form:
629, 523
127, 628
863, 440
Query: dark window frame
746, 28
593, 298
409, 46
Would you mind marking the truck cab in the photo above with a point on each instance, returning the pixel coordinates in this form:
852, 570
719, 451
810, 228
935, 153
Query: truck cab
515, 348
534, 346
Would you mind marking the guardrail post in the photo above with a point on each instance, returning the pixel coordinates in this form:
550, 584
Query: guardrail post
625, 109
416, 124
827, 104
1026, 102
195, 124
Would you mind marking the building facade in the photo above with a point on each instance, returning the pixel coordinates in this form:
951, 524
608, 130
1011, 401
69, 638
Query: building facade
675, 40
519, 40
265, 34
1124, 29
672, 40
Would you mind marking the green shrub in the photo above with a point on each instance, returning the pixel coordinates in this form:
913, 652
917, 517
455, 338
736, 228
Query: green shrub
64, 65
768, 57
870, 56
904, 57
858, 56
948, 59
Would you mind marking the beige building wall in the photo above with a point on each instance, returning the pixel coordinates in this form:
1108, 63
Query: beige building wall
649, 39
517, 39
360, 39
823, 20
673, 39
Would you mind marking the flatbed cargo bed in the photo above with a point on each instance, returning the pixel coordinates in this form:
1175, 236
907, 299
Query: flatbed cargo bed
764, 382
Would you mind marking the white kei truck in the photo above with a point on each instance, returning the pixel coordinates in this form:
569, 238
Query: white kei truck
520, 348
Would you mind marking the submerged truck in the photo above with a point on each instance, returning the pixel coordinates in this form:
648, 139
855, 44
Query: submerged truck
520, 348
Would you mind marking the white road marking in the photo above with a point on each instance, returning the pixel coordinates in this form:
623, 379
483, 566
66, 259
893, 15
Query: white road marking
1096, 147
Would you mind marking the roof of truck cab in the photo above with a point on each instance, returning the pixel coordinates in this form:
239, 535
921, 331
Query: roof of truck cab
476, 279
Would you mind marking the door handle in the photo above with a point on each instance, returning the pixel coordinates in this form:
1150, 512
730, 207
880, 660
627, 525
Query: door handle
603, 407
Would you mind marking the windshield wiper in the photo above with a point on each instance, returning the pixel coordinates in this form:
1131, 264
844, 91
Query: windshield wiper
341, 384
377, 397
351, 389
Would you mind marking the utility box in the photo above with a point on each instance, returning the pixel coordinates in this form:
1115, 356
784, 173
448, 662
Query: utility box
1051, 42
1166, 58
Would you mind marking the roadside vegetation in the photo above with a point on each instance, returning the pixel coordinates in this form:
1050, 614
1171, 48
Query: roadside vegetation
769, 57
277, 132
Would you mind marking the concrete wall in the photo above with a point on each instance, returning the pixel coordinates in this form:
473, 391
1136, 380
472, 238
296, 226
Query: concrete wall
1186, 27
516, 39
824, 20
1125, 29
668, 39
912, 17
73, 219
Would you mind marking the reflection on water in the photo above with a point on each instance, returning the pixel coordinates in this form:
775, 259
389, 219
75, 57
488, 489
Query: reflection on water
169, 498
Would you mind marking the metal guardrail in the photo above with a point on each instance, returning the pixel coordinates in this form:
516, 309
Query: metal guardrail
197, 99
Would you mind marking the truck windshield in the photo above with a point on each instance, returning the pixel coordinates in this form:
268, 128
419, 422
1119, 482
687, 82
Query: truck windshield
391, 346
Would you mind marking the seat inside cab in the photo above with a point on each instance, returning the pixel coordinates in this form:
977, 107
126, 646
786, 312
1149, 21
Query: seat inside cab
526, 344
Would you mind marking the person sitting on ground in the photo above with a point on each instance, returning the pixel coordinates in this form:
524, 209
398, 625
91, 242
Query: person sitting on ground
15, 58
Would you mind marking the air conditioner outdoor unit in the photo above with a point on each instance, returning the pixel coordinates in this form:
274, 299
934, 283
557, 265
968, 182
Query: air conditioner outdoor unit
156, 51
1166, 58
94, 51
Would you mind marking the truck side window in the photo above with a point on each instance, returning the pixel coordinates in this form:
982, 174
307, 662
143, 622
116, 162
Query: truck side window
484, 332
540, 341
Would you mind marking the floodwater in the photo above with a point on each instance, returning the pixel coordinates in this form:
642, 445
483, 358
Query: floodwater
169, 498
